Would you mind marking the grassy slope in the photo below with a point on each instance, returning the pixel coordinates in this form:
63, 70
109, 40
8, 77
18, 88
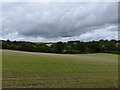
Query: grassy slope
59, 71
0, 68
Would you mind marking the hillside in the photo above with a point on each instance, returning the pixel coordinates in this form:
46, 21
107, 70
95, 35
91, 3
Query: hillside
45, 70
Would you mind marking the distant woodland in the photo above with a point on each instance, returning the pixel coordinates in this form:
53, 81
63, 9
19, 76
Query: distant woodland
70, 47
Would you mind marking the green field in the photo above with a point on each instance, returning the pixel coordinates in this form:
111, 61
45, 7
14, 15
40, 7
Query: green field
34, 70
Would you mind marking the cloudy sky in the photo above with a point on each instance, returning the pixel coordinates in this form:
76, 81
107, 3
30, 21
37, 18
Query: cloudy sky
59, 21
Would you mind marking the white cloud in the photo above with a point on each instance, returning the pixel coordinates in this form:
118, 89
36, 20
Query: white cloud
59, 21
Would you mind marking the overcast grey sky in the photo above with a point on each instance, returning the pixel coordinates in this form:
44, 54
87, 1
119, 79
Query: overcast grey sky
59, 21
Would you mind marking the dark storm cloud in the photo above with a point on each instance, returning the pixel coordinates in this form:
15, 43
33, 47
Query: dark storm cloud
54, 20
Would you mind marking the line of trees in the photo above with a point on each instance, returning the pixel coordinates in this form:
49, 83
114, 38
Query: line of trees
72, 47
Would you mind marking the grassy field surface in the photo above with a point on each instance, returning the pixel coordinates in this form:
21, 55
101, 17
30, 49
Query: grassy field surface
44, 70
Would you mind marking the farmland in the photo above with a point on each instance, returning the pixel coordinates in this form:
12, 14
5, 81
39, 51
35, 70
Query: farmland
45, 70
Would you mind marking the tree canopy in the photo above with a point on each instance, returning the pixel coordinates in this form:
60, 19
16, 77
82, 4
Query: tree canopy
72, 47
